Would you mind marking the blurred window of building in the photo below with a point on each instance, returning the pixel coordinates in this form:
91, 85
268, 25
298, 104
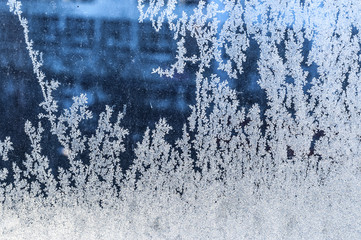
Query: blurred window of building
9, 30
190, 2
151, 41
45, 31
115, 43
115, 34
79, 32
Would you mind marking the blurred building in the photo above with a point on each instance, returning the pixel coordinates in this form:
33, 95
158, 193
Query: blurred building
97, 37
93, 39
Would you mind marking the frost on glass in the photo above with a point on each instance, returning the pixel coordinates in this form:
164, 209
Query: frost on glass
287, 170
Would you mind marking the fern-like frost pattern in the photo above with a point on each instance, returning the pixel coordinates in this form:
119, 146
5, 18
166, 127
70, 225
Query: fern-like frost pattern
288, 170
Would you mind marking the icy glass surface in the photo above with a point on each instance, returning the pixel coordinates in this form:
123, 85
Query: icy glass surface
223, 119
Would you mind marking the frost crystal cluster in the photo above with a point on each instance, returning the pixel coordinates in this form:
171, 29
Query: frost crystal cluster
290, 170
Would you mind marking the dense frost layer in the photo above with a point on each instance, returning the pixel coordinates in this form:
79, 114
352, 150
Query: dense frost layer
290, 171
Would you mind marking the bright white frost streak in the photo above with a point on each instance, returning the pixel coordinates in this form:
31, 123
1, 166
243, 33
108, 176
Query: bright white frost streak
232, 175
